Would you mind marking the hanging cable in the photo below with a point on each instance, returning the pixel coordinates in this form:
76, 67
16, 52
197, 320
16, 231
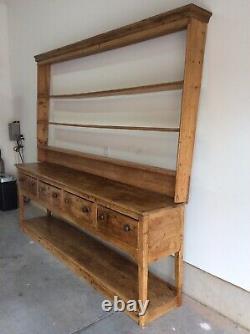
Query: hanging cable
19, 147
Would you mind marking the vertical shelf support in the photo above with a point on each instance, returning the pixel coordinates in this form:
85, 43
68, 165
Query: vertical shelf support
195, 46
43, 91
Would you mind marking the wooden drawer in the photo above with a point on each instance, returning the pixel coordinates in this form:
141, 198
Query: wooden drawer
78, 210
117, 226
49, 196
28, 185
43, 193
55, 197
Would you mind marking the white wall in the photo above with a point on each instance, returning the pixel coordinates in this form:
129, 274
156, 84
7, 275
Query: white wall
6, 110
140, 64
217, 217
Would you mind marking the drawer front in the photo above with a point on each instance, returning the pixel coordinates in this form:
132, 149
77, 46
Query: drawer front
44, 193
117, 226
80, 211
28, 185
55, 197
49, 195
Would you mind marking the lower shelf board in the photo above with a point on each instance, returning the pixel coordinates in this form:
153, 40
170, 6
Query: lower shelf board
108, 271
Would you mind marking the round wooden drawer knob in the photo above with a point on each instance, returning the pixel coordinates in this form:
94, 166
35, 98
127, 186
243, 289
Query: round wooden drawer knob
102, 217
126, 227
54, 195
85, 209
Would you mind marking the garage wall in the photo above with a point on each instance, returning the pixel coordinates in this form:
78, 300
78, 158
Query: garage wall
6, 101
217, 217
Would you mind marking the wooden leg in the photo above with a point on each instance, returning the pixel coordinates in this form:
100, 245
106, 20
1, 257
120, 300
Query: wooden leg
48, 213
179, 275
143, 289
21, 208
143, 266
179, 263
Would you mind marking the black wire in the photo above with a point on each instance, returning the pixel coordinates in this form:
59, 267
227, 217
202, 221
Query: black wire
20, 156
23, 154
19, 148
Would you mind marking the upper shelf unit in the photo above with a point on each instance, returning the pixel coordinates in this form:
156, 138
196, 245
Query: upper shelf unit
191, 18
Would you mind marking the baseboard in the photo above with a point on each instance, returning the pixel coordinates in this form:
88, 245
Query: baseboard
225, 298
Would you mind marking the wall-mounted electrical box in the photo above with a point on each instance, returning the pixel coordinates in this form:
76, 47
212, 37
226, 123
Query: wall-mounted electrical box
14, 130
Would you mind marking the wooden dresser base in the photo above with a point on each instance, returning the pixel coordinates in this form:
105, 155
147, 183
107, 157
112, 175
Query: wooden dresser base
93, 261
115, 213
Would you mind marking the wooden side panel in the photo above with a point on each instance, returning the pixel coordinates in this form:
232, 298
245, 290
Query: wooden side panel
165, 232
145, 177
196, 36
28, 185
43, 91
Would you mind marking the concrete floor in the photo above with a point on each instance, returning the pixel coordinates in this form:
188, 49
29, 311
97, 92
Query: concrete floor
39, 295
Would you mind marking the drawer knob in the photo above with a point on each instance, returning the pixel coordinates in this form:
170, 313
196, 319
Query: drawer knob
54, 195
85, 209
102, 217
66, 201
126, 228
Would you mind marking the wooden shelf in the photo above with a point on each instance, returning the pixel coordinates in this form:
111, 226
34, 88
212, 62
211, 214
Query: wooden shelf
117, 127
166, 86
107, 270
